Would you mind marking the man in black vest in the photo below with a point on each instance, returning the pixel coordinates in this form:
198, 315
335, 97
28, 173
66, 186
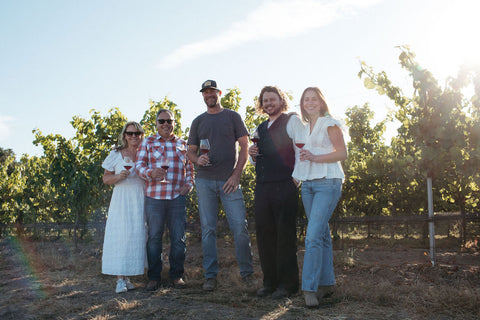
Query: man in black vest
276, 195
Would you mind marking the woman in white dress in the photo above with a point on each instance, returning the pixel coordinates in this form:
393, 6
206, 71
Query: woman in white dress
124, 251
321, 174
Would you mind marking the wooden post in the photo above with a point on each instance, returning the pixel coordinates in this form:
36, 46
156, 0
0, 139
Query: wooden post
431, 225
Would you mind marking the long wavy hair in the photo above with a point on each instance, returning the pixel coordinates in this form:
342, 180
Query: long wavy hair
274, 89
122, 141
324, 111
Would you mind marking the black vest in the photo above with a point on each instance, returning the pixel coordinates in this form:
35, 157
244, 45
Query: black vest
277, 154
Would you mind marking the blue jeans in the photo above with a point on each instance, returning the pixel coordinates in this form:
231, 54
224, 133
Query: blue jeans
173, 214
208, 192
320, 197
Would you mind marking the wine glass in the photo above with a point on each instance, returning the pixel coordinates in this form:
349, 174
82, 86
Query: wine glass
205, 148
255, 137
164, 164
127, 163
300, 143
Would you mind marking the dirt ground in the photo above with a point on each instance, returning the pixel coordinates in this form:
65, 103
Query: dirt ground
55, 280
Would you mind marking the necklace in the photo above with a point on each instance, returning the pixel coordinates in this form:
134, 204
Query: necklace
129, 153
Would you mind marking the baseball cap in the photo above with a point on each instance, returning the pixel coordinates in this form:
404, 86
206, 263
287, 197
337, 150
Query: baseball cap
209, 84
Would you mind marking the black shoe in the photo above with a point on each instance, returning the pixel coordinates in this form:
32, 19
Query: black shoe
280, 293
265, 291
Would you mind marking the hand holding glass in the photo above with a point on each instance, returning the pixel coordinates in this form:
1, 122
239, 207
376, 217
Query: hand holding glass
128, 163
164, 164
255, 137
300, 143
205, 148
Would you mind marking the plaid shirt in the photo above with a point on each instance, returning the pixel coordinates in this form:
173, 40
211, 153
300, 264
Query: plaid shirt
179, 173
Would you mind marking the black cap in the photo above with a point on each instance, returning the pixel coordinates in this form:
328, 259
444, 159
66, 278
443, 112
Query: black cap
209, 84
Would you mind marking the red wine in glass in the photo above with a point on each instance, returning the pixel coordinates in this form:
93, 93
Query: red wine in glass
164, 164
300, 145
127, 163
255, 138
204, 148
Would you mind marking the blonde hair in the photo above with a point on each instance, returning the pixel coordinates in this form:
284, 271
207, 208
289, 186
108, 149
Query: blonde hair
122, 142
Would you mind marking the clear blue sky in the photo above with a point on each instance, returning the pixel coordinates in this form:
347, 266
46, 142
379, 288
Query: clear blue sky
60, 58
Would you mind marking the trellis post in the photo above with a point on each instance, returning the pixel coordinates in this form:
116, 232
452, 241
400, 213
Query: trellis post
431, 223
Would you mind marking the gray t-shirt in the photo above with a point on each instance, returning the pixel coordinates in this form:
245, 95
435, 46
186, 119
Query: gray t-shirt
222, 131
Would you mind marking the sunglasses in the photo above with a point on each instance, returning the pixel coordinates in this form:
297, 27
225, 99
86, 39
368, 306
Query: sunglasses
131, 133
162, 121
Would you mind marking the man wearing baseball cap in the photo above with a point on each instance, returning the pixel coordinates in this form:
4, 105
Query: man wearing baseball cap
218, 175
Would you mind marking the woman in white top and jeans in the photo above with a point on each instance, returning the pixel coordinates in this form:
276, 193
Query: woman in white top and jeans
321, 174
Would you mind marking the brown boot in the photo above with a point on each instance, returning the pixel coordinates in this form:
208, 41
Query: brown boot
152, 285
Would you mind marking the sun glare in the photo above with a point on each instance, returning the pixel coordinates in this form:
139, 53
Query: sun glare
450, 36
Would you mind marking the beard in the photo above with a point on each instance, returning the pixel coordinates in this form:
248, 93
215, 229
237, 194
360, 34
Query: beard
211, 102
273, 111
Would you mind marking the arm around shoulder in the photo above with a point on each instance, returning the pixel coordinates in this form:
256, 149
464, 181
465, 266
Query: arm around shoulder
141, 166
295, 126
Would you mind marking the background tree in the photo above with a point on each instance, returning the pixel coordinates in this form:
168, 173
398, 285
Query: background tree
435, 132
39, 196
366, 187
11, 188
75, 171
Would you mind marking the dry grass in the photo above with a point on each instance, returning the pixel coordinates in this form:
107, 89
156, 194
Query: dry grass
53, 280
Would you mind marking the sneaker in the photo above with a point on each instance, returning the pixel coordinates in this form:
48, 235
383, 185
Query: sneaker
324, 292
121, 286
310, 299
250, 281
179, 283
130, 285
280, 293
152, 285
265, 291
209, 284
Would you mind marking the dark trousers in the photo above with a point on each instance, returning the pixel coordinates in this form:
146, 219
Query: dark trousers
276, 205
173, 214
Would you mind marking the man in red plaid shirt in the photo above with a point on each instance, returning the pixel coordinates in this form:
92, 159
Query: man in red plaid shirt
162, 162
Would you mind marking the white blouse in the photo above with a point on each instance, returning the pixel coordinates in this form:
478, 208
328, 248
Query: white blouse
318, 142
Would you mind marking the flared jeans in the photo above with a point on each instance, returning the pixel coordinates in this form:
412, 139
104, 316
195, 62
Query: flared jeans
320, 197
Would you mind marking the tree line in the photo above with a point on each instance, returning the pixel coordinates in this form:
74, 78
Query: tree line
438, 137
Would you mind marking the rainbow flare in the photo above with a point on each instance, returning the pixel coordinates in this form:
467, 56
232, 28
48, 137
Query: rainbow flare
28, 263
